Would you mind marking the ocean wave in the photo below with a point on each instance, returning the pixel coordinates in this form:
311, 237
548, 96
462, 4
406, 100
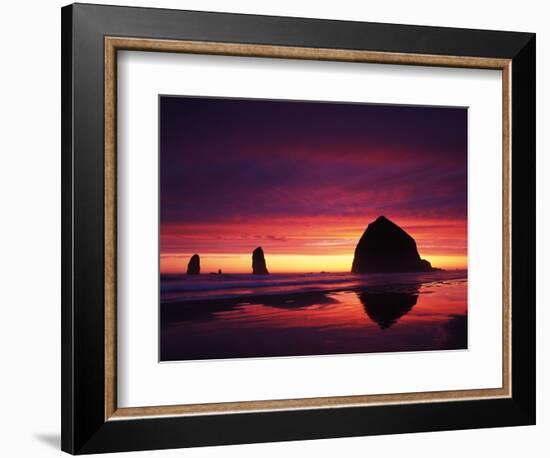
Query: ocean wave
185, 288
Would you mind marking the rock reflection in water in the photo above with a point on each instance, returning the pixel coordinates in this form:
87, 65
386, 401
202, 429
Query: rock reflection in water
208, 309
386, 308
411, 316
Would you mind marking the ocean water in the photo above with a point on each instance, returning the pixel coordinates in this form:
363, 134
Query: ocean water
242, 316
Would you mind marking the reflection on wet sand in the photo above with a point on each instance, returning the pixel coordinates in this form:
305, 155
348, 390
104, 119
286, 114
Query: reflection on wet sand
415, 316
207, 309
385, 308
455, 332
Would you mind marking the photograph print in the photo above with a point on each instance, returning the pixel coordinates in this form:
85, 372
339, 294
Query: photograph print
303, 228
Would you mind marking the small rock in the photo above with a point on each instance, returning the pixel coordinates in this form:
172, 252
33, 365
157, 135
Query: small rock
194, 266
258, 262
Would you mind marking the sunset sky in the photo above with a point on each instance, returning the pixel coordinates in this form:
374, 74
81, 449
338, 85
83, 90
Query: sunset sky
303, 180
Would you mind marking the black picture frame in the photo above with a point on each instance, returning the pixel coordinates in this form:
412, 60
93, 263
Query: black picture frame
84, 427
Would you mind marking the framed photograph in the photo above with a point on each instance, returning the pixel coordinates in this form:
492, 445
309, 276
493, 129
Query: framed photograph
281, 228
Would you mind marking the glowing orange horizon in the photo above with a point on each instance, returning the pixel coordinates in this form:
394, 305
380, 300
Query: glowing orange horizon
277, 263
301, 245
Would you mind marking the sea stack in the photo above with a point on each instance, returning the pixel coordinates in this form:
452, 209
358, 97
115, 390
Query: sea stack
385, 247
258, 262
194, 266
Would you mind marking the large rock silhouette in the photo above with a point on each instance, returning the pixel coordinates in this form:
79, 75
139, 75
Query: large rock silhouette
385, 247
194, 266
258, 262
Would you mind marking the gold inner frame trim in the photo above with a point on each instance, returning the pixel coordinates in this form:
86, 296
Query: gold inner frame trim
114, 44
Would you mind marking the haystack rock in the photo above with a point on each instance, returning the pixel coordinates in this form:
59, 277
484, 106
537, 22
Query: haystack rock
385, 247
258, 262
194, 266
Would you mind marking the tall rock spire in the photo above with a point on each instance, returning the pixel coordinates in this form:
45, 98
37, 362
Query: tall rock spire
258, 262
194, 266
